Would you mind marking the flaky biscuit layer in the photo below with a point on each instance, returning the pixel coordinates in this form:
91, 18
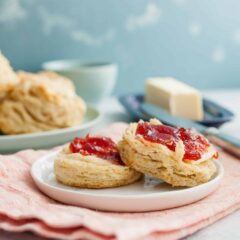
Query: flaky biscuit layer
8, 78
158, 161
76, 170
40, 102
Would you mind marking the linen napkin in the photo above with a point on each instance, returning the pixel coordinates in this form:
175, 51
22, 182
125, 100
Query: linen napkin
24, 208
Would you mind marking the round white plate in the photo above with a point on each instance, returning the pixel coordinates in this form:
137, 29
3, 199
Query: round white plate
144, 195
13, 143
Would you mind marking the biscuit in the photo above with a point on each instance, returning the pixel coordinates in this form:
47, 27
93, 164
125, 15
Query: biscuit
76, 170
8, 78
158, 161
40, 102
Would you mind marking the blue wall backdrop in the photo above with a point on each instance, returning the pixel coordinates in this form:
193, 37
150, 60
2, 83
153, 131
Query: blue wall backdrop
197, 41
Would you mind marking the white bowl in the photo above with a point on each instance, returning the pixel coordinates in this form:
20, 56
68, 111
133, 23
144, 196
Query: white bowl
93, 81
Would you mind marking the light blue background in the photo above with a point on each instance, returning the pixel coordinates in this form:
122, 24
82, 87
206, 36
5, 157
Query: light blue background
197, 41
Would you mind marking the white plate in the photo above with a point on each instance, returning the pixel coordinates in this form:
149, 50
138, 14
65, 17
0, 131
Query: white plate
144, 195
13, 143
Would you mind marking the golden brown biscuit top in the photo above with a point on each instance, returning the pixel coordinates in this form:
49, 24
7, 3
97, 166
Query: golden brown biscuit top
7, 75
48, 85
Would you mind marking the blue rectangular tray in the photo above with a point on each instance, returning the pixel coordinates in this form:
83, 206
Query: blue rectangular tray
214, 114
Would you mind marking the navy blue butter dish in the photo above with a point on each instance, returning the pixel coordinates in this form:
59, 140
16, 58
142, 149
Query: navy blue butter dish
214, 114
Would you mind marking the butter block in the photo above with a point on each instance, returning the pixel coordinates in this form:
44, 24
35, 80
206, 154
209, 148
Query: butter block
178, 98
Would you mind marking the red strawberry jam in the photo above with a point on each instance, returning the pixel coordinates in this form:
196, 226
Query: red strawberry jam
101, 147
195, 144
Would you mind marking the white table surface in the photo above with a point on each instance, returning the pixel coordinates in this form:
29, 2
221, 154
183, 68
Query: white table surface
226, 228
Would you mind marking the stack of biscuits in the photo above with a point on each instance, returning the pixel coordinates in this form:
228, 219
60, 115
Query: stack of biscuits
138, 157
38, 102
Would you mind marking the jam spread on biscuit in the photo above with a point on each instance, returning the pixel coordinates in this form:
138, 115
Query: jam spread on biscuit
195, 144
102, 147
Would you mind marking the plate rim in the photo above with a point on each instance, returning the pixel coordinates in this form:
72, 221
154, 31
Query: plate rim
130, 196
57, 131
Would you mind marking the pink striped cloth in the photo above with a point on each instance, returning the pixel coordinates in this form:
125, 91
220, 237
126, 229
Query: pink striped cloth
24, 208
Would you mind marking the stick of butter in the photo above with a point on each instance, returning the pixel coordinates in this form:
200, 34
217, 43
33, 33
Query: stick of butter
178, 98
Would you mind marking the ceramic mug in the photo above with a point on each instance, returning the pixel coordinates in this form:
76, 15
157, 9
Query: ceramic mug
94, 82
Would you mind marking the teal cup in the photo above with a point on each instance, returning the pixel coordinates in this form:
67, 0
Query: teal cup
94, 82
